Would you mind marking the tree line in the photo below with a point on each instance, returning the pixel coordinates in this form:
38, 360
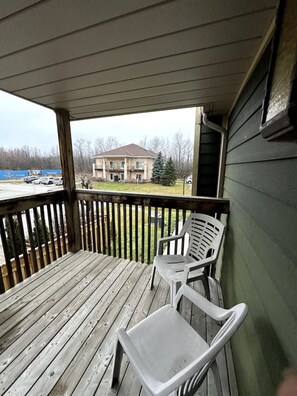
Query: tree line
29, 158
178, 147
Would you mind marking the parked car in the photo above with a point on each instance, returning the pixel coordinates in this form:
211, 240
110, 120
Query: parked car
37, 181
44, 180
58, 181
30, 179
47, 180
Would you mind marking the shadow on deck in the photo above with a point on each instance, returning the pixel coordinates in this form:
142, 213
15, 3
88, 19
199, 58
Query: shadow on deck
57, 327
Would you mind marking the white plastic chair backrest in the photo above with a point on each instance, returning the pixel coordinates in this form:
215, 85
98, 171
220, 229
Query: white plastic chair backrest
205, 235
234, 318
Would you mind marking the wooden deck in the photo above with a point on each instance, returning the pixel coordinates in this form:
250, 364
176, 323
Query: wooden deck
57, 327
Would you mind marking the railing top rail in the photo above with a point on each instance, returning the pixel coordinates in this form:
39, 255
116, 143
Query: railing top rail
14, 205
206, 205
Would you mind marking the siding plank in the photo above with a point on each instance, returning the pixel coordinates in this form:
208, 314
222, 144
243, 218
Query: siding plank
274, 178
278, 220
258, 149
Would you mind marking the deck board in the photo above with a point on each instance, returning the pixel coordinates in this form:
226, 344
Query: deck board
57, 328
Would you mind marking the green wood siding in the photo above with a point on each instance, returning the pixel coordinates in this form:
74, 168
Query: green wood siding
208, 161
260, 252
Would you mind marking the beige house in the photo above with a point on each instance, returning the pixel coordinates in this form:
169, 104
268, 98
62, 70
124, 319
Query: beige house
129, 163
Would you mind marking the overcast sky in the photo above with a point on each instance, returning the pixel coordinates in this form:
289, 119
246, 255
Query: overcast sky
24, 123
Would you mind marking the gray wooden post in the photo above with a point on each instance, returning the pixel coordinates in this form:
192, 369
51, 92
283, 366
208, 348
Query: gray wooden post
71, 203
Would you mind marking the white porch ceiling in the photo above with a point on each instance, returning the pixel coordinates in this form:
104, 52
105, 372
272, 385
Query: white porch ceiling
108, 57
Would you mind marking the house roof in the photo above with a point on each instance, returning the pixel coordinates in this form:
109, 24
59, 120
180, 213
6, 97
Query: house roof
108, 57
130, 150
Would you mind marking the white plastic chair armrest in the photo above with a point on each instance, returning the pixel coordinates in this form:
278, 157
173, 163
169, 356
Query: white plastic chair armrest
166, 239
206, 306
196, 265
199, 264
138, 363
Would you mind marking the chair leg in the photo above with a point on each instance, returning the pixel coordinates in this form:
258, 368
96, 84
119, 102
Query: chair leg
153, 276
216, 374
173, 290
206, 286
116, 364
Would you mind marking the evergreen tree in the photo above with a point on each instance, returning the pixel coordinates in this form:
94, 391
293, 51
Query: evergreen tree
158, 169
17, 239
169, 175
38, 230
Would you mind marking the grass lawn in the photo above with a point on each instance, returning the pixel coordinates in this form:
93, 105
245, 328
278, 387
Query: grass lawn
147, 188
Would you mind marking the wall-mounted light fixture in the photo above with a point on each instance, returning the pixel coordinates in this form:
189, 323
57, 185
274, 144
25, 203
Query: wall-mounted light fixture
279, 117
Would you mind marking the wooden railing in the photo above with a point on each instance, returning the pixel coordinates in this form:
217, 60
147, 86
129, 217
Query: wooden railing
33, 234
33, 228
128, 225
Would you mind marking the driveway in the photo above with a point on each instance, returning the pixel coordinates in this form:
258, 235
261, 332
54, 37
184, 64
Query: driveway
12, 190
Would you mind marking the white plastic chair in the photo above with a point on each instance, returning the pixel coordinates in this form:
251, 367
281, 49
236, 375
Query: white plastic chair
168, 355
205, 234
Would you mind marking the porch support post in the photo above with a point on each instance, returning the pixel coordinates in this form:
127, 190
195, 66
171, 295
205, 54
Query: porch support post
71, 203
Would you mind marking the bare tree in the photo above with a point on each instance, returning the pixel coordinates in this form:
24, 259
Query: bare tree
179, 148
144, 142
156, 144
104, 144
82, 156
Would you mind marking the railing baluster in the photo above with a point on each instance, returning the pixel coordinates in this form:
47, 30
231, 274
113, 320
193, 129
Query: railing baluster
156, 230
142, 233
2, 287
62, 227
136, 232
6, 253
15, 249
169, 229
3, 238
99, 248
57, 230
31, 239
113, 230
149, 234
108, 229
130, 233
163, 222
83, 222
37, 235
89, 241
183, 238
51, 232
125, 230
119, 212
93, 227
176, 229
24, 247
45, 236
103, 222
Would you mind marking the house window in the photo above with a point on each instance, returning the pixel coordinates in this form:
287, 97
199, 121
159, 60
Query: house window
122, 164
111, 176
139, 165
138, 177
111, 164
122, 176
